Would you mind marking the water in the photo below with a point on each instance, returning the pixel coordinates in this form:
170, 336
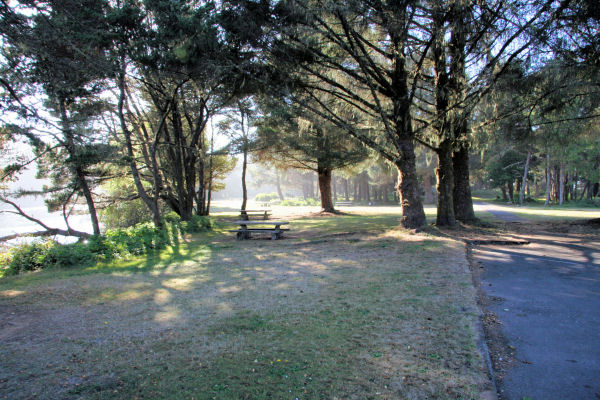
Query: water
11, 223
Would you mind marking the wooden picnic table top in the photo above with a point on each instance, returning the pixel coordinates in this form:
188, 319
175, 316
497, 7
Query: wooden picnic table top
263, 210
265, 222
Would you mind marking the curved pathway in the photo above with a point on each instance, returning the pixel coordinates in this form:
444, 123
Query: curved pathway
547, 297
502, 213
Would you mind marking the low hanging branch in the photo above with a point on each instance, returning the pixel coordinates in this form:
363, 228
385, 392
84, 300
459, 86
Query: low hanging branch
48, 231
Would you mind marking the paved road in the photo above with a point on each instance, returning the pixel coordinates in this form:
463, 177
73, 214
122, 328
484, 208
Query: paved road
547, 295
502, 213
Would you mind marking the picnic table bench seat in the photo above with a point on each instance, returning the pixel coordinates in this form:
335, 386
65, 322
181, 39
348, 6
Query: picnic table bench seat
248, 227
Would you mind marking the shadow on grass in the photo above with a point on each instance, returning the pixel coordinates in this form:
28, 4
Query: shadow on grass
213, 317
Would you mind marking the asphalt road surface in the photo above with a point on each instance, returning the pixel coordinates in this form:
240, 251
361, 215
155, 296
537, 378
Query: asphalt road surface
547, 297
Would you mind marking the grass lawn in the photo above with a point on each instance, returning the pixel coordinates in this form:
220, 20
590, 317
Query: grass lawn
540, 212
346, 307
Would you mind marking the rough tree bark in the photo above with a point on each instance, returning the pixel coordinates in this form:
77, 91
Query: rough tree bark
462, 199
324, 175
413, 215
445, 185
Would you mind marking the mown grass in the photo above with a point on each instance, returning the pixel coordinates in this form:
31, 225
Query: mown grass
366, 311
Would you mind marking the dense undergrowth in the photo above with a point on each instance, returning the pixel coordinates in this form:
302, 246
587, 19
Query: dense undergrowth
140, 239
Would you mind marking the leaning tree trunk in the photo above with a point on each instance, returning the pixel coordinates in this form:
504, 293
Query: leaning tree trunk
413, 215
445, 185
87, 193
77, 169
324, 175
524, 181
462, 198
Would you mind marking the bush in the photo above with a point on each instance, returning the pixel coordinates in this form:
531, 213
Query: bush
45, 254
198, 223
300, 202
265, 197
124, 214
136, 240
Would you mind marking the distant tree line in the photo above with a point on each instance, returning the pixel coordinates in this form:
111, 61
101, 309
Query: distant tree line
116, 97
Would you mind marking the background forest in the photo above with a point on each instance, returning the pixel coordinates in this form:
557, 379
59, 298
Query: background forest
118, 102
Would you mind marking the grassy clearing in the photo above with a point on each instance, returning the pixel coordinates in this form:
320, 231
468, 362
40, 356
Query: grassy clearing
326, 313
540, 213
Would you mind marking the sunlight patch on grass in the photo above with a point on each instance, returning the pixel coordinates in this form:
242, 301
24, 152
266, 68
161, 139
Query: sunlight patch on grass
11, 293
184, 284
382, 313
169, 315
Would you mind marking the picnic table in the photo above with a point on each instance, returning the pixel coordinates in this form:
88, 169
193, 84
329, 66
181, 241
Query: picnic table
248, 227
245, 214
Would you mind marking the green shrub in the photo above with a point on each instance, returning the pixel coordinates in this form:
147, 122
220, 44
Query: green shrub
124, 214
300, 202
171, 216
45, 254
197, 223
136, 240
264, 197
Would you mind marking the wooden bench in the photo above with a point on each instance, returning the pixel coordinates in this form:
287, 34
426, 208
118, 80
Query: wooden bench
343, 203
248, 227
246, 214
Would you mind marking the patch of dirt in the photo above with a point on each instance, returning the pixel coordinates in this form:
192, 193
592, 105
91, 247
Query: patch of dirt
334, 213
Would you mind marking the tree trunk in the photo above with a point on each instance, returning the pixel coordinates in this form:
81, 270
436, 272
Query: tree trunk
413, 215
365, 180
585, 189
556, 180
244, 188
445, 185
76, 167
504, 197
509, 185
463, 201
201, 201
334, 187
548, 180
574, 192
279, 192
324, 176
151, 203
346, 191
429, 198
210, 169
524, 182
561, 184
